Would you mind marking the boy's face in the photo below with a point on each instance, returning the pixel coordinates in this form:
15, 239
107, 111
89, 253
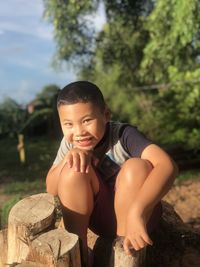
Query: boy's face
83, 124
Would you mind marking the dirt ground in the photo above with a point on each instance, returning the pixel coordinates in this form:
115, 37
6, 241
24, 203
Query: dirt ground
185, 198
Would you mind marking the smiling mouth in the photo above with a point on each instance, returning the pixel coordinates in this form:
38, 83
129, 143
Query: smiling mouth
83, 141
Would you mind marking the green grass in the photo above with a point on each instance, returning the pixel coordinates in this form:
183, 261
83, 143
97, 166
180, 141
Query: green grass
189, 174
40, 154
25, 187
6, 207
17, 180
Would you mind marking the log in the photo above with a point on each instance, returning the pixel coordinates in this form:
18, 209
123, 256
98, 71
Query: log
120, 259
27, 219
174, 244
56, 248
3, 247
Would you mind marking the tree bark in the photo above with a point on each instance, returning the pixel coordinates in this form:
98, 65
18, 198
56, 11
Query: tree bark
3, 247
120, 259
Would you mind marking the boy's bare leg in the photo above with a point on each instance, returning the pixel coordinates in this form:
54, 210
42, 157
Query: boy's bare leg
76, 192
128, 183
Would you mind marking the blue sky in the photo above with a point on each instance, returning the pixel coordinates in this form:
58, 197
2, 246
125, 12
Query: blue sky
27, 48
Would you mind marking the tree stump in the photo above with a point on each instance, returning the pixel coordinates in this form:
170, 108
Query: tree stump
28, 218
3, 247
27, 265
120, 259
32, 239
175, 244
55, 248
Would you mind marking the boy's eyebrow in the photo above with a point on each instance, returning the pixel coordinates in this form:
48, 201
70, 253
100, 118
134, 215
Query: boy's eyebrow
87, 115
66, 120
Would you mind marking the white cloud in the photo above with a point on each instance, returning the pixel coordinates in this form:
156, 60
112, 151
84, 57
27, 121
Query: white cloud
29, 27
21, 16
18, 8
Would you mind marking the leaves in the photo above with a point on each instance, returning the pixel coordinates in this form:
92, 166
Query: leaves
144, 43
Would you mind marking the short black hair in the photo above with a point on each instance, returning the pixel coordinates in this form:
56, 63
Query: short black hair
81, 91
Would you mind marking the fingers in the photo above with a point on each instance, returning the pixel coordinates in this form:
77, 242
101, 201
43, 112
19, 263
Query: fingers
138, 242
69, 160
147, 239
78, 160
127, 246
133, 244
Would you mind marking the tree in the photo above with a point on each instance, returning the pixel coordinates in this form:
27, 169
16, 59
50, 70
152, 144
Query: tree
147, 52
45, 113
12, 117
74, 29
16, 121
47, 97
171, 58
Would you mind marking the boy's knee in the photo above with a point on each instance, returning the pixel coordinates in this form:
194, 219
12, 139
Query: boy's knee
70, 176
138, 165
136, 168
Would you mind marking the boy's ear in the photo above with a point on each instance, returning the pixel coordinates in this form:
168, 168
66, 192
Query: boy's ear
107, 113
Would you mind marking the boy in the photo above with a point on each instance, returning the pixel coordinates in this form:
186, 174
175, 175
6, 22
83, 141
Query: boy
108, 176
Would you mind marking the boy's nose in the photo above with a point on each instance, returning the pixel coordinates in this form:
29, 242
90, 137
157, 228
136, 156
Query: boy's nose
79, 131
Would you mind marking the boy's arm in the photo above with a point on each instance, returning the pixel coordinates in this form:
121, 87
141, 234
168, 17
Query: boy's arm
159, 180
157, 184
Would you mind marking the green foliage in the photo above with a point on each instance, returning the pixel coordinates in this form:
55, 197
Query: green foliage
47, 97
171, 57
72, 29
145, 59
4, 211
15, 118
12, 117
173, 28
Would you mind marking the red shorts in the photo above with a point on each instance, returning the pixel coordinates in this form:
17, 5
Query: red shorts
103, 219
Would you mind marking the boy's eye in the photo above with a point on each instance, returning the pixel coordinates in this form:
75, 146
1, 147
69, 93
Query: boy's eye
67, 124
86, 121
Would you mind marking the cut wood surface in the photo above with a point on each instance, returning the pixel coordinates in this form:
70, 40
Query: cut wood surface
55, 248
27, 218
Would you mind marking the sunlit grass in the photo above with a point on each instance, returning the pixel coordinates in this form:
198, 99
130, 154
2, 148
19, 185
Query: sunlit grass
18, 181
189, 174
25, 187
40, 154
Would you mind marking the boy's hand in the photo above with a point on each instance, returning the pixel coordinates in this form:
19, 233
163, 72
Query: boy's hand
79, 160
136, 233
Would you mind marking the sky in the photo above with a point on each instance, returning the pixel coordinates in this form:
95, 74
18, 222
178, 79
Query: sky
27, 48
